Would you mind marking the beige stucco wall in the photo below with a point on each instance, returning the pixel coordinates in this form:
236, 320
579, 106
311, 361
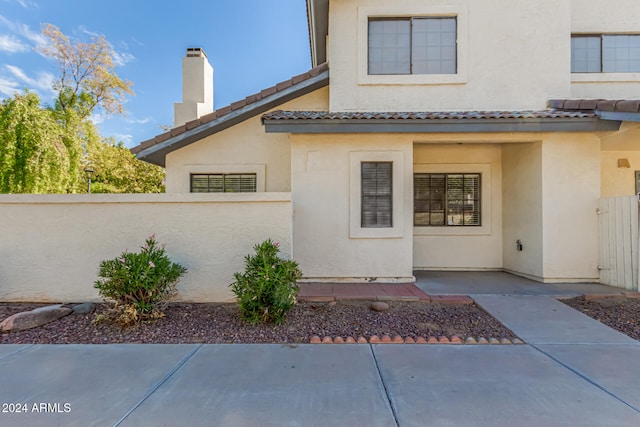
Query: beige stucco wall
52, 245
522, 208
244, 148
462, 248
500, 45
618, 180
328, 242
571, 189
596, 17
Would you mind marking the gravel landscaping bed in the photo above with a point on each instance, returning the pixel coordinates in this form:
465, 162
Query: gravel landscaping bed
221, 323
620, 313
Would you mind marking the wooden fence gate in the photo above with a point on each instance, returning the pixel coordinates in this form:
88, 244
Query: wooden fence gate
618, 221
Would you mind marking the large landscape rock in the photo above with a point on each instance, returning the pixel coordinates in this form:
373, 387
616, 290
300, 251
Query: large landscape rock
34, 318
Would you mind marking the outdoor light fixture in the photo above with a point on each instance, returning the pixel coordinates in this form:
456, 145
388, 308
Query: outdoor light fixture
89, 173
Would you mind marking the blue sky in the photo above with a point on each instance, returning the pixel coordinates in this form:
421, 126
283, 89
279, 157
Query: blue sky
252, 45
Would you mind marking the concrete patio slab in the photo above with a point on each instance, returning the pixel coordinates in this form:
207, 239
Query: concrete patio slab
8, 349
271, 385
544, 320
82, 385
498, 282
610, 366
492, 386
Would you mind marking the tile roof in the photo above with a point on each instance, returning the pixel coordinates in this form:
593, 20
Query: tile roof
607, 105
425, 115
272, 91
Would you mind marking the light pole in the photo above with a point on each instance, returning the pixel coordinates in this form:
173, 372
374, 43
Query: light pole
89, 173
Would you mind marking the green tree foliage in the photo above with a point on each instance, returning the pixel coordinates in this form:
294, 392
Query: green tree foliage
33, 155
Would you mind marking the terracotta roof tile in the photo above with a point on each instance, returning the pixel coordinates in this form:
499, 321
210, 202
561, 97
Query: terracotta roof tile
628, 106
609, 105
426, 115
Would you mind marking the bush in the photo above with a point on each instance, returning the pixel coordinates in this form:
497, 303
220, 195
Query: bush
140, 284
268, 287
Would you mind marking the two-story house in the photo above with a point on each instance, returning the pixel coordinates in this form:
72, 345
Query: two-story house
440, 134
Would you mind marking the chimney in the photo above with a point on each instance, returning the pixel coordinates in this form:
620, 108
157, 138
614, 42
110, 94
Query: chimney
197, 88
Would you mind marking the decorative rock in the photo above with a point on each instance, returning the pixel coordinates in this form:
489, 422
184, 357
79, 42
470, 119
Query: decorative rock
338, 340
505, 341
374, 340
409, 340
421, 340
379, 306
350, 340
397, 340
85, 308
315, 339
361, 340
517, 341
432, 340
386, 339
327, 340
494, 341
34, 318
456, 340
482, 340
471, 340
444, 340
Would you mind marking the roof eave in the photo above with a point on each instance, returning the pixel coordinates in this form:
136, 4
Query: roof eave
157, 153
618, 116
318, 22
318, 126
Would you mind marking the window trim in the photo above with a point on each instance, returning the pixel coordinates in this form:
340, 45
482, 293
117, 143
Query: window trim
363, 196
423, 11
224, 176
486, 201
399, 183
226, 168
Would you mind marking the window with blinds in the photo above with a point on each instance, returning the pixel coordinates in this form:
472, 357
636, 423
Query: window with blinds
377, 194
446, 199
223, 183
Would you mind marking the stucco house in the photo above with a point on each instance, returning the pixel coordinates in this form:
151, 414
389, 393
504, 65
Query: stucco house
440, 134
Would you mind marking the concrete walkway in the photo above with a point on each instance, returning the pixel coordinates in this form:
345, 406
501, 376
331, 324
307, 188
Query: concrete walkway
573, 371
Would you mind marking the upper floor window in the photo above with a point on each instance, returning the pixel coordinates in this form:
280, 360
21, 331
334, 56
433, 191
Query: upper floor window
605, 53
446, 199
412, 45
223, 183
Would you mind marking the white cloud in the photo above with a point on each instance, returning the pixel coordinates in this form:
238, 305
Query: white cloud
12, 44
139, 121
24, 31
127, 139
97, 118
24, 3
8, 87
43, 80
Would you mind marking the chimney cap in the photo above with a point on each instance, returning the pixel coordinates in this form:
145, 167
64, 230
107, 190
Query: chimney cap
195, 52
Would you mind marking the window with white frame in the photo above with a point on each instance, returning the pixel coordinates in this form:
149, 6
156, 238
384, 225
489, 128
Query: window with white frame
605, 53
223, 183
415, 45
446, 199
376, 194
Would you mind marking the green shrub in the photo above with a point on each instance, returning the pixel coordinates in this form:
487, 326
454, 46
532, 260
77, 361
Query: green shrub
268, 287
139, 284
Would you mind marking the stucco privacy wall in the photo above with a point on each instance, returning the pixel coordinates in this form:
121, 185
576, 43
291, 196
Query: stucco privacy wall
462, 247
522, 208
525, 30
324, 182
622, 17
51, 245
243, 148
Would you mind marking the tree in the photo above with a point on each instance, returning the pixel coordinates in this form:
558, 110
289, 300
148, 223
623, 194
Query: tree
33, 153
87, 75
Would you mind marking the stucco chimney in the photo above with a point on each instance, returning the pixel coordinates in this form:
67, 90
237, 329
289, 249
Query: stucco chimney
197, 87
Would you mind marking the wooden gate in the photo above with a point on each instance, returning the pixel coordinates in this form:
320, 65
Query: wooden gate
618, 220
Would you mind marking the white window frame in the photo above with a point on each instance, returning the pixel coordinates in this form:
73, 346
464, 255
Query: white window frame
356, 231
604, 77
365, 13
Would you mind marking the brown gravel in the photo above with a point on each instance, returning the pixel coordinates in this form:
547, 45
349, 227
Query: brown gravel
221, 323
620, 313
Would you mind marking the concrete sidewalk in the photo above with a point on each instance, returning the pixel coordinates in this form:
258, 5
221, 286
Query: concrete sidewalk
572, 371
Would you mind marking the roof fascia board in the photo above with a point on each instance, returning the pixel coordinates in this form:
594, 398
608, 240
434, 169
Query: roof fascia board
441, 126
156, 153
618, 116
318, 21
